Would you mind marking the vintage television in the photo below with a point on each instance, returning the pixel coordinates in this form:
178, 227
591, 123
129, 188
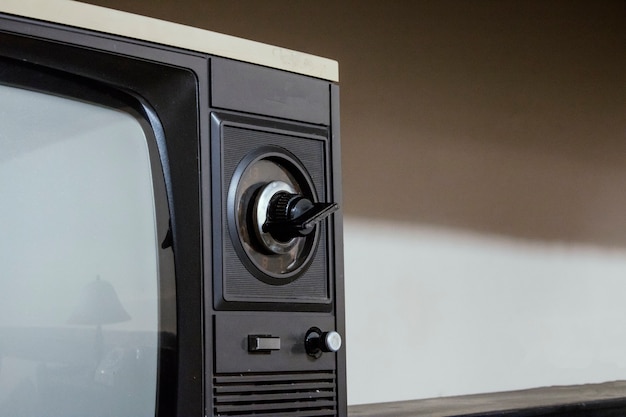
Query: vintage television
171, 219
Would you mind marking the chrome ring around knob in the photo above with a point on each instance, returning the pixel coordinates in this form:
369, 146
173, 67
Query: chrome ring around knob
261, 206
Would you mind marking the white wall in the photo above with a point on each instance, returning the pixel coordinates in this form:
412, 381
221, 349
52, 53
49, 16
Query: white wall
434, 312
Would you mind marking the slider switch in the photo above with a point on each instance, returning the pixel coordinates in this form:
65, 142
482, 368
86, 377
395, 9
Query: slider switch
263, 343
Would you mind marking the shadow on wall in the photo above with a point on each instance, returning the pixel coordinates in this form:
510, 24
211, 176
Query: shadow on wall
504, 118
501, 117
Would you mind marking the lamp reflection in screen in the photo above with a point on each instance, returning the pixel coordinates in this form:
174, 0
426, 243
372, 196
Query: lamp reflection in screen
98, 304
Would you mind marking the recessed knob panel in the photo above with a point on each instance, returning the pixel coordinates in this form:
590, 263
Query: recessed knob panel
274, 215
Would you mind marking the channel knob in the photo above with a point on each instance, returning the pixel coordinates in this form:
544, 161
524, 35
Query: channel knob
316, 342
292, 215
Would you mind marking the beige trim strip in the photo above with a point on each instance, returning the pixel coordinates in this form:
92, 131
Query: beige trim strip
134, 26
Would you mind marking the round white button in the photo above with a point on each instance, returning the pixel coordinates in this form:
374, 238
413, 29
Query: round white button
333, 341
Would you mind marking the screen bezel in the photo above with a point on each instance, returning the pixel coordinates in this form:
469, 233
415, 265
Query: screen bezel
160, 88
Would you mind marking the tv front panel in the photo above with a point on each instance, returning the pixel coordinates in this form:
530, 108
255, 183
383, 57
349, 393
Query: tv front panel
171, 204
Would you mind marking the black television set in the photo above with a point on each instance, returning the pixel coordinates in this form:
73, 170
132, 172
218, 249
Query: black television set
171, 217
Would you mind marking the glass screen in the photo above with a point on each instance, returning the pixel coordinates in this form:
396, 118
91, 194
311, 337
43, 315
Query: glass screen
78, 260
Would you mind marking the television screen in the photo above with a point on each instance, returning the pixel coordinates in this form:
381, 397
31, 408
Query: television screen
171, 209
80, 182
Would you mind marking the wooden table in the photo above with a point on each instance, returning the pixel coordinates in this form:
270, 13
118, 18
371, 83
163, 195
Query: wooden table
592, 400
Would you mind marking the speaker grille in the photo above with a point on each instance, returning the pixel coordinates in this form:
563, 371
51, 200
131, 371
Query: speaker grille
276, 395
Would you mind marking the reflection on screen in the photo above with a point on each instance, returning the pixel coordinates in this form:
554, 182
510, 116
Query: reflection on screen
78, 261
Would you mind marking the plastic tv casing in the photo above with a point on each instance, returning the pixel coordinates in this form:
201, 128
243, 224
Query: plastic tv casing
239, 309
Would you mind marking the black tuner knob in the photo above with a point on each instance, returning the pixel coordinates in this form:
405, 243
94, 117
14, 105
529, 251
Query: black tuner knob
316, 342
293, 215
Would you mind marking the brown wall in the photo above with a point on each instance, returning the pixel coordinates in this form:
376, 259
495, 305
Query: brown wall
505, 117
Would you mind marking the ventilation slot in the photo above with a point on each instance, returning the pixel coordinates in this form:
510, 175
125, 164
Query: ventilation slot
276, 395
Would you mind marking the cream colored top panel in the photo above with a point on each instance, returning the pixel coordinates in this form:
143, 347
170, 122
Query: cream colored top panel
101, 19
